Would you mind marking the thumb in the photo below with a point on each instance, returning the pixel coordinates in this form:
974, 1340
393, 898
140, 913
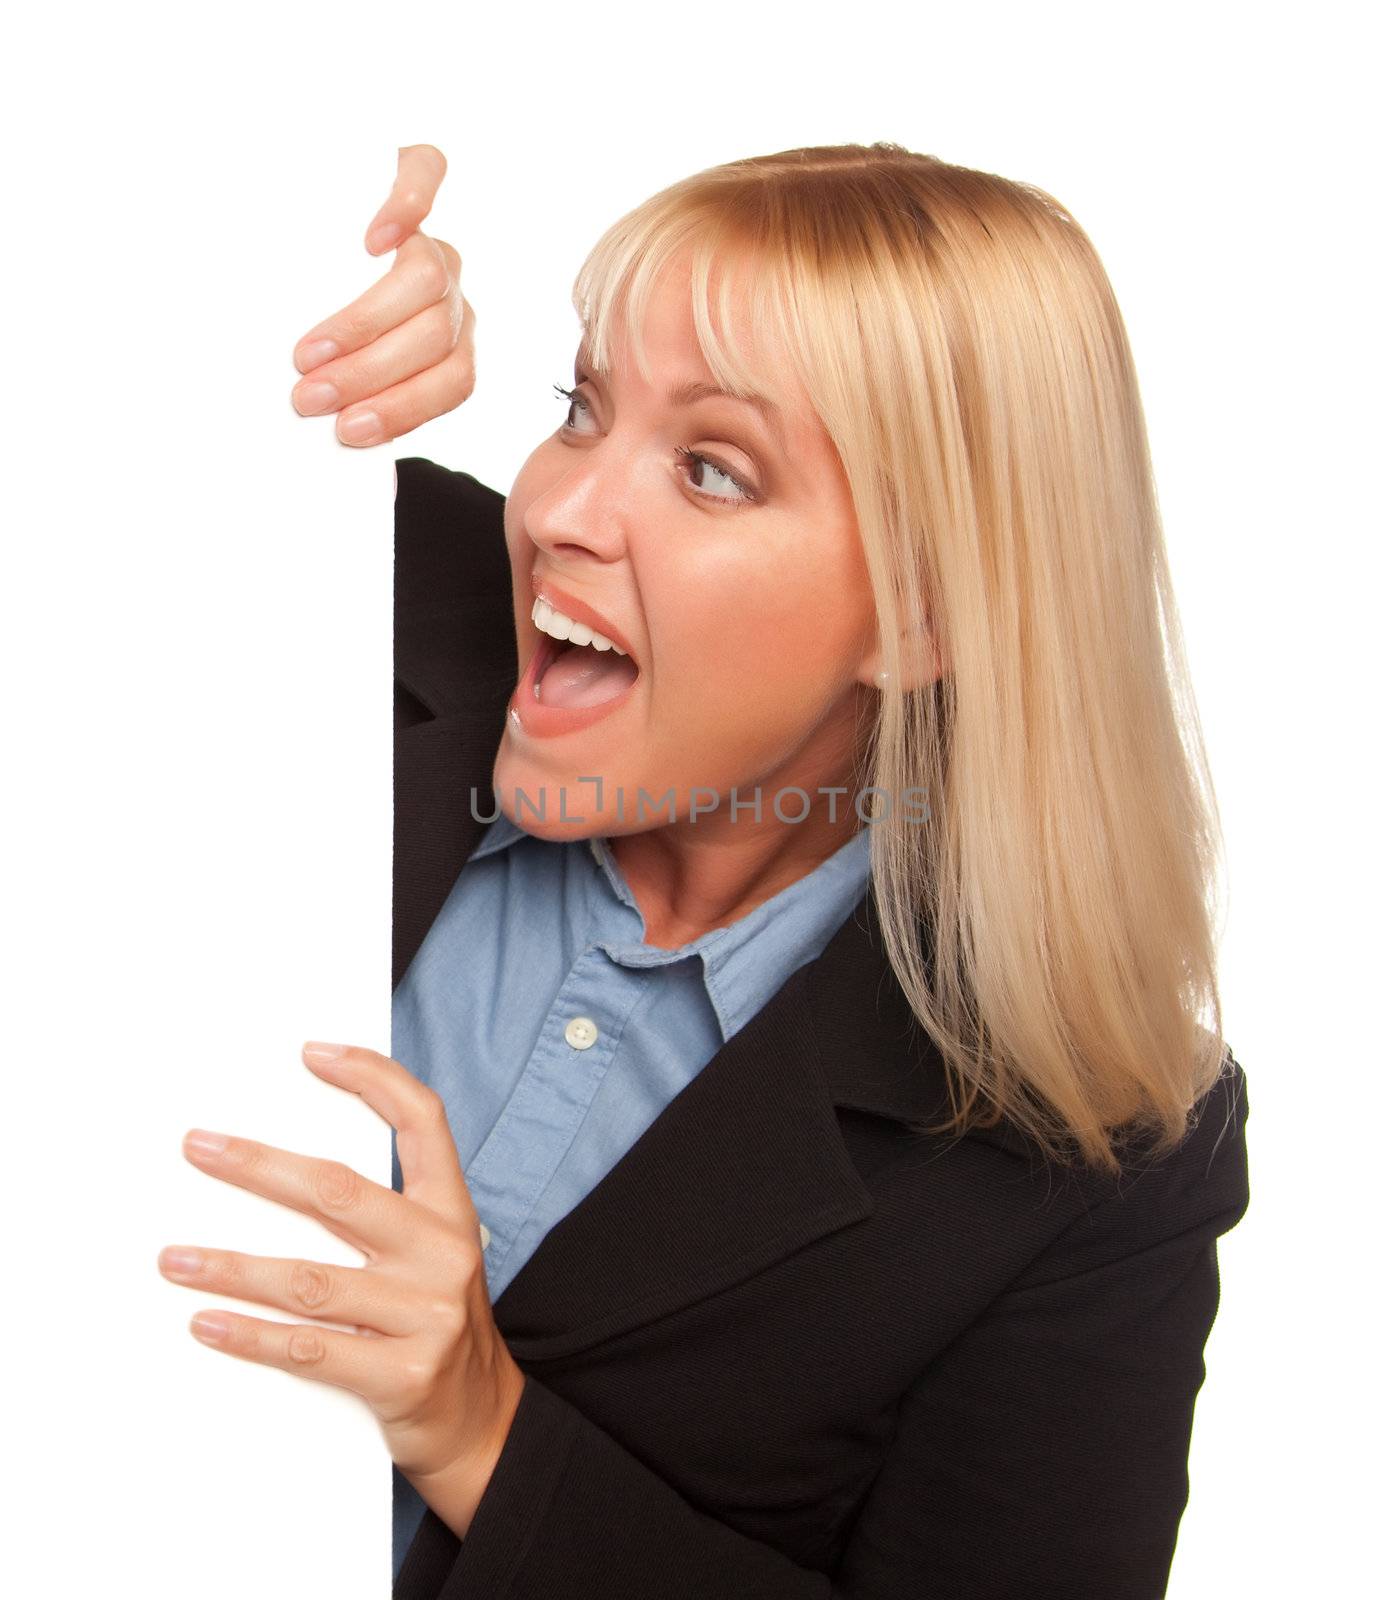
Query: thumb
420, 170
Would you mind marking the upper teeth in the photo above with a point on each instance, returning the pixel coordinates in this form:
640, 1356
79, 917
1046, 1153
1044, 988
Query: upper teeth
560, 626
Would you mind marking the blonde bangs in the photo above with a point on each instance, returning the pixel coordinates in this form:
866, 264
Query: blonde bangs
734, 283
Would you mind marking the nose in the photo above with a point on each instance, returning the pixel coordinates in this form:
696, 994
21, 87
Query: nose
580, 515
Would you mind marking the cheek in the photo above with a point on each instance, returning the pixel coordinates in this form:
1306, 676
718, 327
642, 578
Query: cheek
756, 654
794, 617
769, 609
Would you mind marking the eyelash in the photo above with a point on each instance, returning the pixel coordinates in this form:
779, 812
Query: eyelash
683, 453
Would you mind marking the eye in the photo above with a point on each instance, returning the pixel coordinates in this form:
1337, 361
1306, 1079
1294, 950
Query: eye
575, 398
694, 458
688, 458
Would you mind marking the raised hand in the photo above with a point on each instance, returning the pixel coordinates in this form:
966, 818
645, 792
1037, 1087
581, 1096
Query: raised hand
403, 351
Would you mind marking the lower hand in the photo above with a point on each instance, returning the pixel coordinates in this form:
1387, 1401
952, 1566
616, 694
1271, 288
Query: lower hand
427, 1357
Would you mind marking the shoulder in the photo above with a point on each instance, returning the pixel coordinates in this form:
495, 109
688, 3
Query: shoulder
1072, 1223
449, 533
1194, 1193
422, 484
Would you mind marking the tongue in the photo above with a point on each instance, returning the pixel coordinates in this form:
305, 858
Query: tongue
581, 676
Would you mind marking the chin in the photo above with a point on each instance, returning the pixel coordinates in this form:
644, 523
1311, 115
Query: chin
548, 806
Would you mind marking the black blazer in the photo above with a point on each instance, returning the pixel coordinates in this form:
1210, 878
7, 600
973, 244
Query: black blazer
788, 1348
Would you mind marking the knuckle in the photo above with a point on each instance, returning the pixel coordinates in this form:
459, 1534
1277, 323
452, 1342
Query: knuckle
335, 1184
465, 1261
225, 1270
417, 1378
310, 1286
306, 1347
354, 327
464, 385
245, 1337
242, 1153
459, 365
432, 276
444, 1314
444, 328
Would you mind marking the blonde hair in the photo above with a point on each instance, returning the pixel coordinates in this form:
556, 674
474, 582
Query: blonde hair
1052, 924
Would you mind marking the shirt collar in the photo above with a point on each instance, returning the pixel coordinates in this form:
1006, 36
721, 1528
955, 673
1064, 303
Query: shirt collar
811, 909
499, 834
503, 831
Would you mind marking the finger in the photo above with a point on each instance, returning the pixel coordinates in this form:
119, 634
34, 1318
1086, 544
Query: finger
353, 1295
421, 274
452, 257
426, 1147
372, 1219
420, 170
422, 341
407, 405
366, 1366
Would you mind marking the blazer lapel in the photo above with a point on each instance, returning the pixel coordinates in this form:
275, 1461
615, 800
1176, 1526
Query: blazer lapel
743, 1167
747, 1164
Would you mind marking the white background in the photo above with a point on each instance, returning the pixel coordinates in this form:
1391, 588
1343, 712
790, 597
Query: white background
196, 626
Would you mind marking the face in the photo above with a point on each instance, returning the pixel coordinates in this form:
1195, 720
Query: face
718, 549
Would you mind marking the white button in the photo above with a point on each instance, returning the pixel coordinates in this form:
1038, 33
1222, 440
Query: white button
581, 1033
484, 1236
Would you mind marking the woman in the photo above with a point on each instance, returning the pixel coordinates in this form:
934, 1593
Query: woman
807, 1185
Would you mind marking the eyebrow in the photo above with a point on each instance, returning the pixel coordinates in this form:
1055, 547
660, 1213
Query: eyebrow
685, 394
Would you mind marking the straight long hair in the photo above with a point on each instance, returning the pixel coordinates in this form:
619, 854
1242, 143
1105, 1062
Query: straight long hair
1052, 923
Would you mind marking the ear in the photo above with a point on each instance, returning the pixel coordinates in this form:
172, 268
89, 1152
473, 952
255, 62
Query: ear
921, 660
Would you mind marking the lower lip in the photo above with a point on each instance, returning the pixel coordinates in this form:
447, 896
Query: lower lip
537, 721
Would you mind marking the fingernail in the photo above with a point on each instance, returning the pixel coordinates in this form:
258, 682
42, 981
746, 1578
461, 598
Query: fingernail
363, 428
317, 1050
202, 1143
183, 1262
384, 235
308, 356
313, 399
209, 1327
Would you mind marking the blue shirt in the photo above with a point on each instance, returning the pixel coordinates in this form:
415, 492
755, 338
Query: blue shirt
555, 1036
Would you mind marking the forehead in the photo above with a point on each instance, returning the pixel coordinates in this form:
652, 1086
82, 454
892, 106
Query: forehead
670, 351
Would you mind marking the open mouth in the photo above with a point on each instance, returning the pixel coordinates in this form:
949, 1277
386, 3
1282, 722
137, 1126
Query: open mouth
575, 667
